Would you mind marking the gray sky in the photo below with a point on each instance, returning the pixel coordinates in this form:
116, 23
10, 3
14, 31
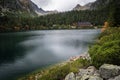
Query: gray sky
60, 5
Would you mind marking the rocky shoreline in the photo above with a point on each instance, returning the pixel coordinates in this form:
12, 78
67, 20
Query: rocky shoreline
70, 60
105, 72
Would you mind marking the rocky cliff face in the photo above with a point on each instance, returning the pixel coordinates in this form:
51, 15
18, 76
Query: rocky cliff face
22, 5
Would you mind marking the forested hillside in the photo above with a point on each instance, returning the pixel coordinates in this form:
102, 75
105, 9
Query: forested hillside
101, 11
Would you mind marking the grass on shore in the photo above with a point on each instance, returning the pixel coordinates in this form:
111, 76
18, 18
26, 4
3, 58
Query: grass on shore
58, 72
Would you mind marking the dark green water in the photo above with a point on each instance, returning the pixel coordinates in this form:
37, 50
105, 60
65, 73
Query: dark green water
24, 52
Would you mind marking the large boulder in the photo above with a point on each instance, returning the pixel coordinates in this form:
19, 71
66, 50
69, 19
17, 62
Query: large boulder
91, 73
70, 76
116, 78
108, 71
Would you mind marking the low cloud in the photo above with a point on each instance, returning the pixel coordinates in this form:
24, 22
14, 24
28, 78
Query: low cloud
60, 5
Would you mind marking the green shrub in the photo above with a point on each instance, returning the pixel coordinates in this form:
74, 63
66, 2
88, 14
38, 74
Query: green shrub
110, 31
107, 49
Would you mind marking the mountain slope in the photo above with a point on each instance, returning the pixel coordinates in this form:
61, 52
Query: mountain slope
23, 6
98, 4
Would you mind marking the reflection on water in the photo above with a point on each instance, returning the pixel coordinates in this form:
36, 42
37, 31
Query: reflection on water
24, 52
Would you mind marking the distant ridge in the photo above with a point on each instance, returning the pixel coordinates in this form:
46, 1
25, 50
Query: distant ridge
78, 7
92, 5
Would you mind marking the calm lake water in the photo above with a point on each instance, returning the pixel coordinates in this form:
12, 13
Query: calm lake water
24, 52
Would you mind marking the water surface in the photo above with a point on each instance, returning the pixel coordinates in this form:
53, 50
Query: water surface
23, 52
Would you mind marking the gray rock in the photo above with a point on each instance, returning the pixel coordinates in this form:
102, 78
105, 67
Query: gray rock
116, 78
70, 76
95, 78
82, 72
89, 71
88, 74
96, 73
108, 71
88, 77
78, 77
85, 77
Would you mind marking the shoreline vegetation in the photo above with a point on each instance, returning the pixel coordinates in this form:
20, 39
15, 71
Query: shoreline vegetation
107, 48
60, 70
59, 27
105, 51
